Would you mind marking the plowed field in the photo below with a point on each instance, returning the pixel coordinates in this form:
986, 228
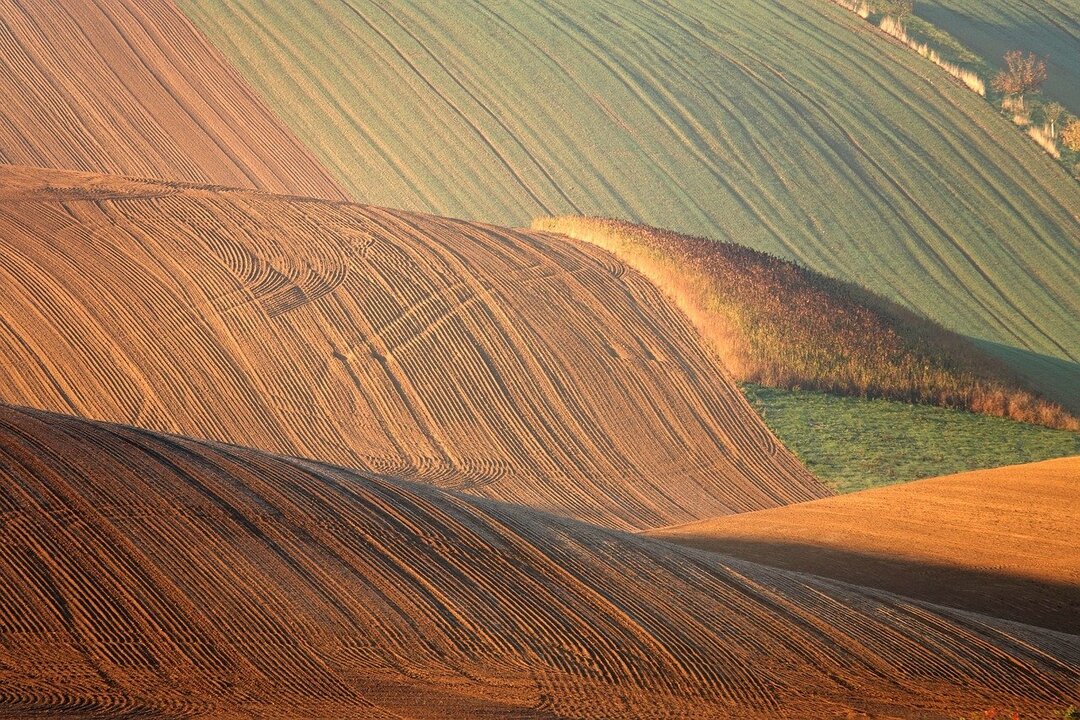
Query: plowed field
513, 365
151, 575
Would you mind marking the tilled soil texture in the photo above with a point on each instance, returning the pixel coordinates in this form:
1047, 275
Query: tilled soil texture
143, 574
1000, 541
130, 87
513, 365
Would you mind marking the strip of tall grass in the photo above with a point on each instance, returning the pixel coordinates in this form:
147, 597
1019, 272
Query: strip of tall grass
890, 26
947, 53
777, 324
1041, 135
859, 7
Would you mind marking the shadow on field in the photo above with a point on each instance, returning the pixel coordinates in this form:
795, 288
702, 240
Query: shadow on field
1036, 602
1055, 378
991, 40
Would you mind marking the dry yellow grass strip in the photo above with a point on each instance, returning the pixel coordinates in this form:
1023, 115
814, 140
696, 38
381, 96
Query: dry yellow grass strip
776, 323
1001, 541
150, 575
130, 87
513, 365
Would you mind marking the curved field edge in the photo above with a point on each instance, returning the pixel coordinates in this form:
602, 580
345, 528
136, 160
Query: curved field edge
778, 324
800, 131
131, 87
996, 541
854, 444
509, 364
991, 28
149, 574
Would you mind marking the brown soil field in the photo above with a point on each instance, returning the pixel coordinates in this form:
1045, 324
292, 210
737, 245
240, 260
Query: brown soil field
130, 87
149, 575
514, 365
1001, 541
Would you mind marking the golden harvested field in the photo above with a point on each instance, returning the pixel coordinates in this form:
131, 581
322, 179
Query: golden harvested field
514, 365
148, 575
999, 541
130, 87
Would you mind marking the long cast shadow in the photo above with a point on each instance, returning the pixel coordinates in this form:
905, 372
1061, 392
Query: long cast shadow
1038, 602
1055, 378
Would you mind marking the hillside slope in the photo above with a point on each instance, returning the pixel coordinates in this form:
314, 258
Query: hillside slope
518, 366
776, 323
153, 575
991, 28
130, 87
1001, 541
792, 127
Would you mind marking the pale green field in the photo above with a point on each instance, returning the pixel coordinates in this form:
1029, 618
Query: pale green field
854, 444
792, 127
991, 28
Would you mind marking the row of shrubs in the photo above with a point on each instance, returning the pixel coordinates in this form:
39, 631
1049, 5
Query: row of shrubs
779, 324
1047, 123
891, 26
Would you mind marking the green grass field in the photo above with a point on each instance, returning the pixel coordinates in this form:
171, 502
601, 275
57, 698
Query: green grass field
853, 444
991, 28
791, 127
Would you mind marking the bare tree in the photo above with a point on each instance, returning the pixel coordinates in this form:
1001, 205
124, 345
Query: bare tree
1023, 74
1052, 113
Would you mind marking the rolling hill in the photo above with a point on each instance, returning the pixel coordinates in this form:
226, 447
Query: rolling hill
794, 128
514, 365
997, 541
778, 324
148, 575
991, 28
130, 87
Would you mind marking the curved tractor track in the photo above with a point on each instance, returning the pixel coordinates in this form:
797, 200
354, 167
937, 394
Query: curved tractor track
794, 128
156, 575
513, 365
130, 87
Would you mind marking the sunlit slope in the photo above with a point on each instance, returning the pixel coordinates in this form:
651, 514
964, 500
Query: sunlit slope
999, 541
514, 365
776, 323
130, 87
791, 127
1050, 28
153, 575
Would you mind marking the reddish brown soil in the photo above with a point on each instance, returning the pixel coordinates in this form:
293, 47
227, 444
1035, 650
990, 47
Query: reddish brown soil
1001, 541
151, 575
130, 87
513, 365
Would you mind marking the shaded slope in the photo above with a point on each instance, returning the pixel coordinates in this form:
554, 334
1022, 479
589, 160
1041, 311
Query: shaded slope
147, 574
514, 365
1000, 541
991, 28
130, 87
790, 127
776, 323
